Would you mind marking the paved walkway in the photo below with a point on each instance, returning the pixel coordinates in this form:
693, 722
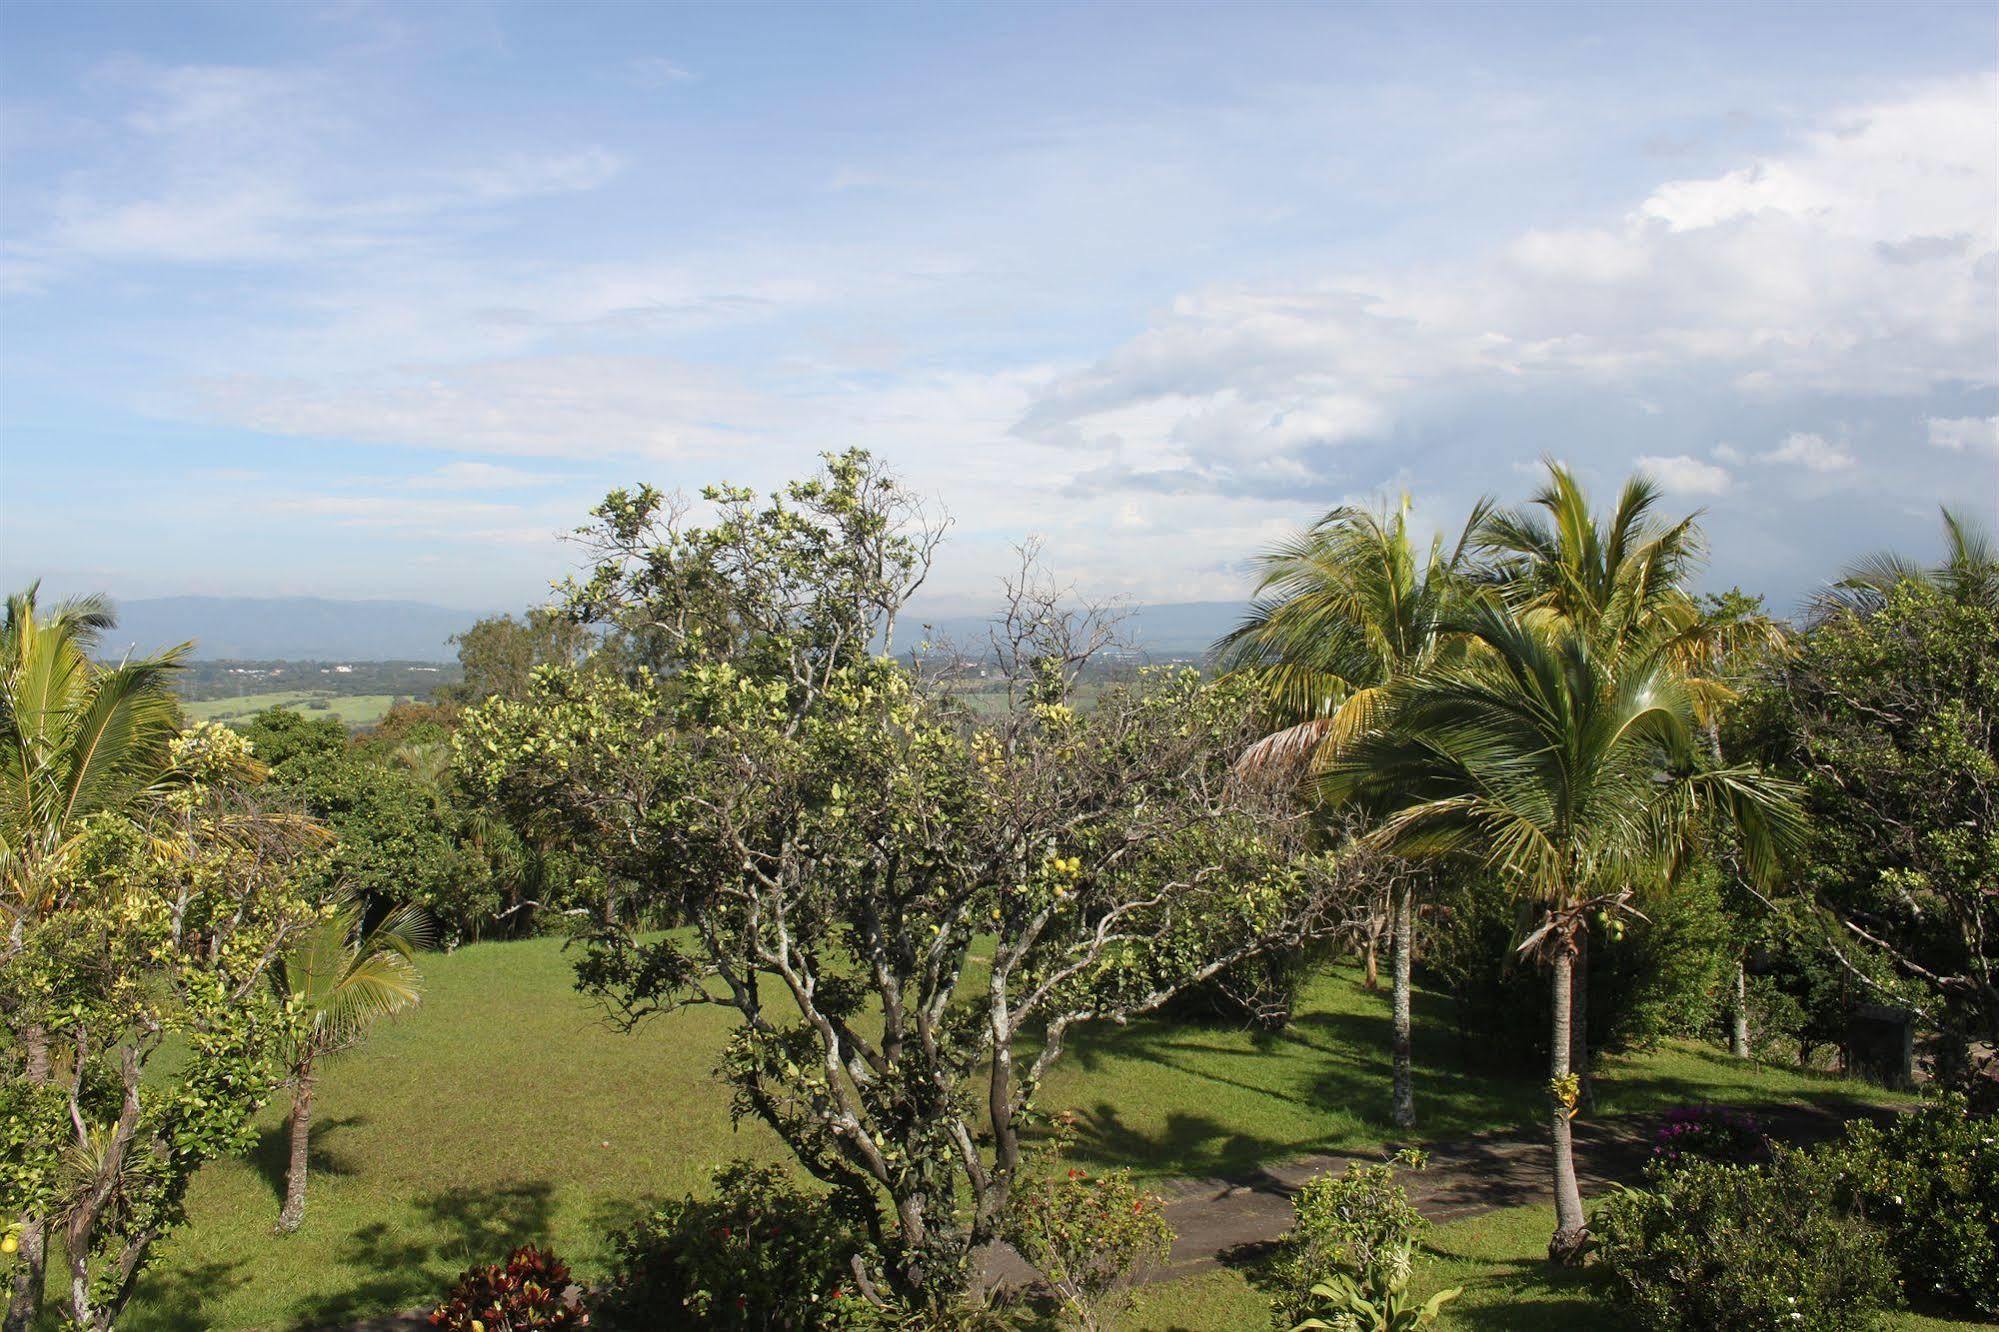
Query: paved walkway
1220, 1219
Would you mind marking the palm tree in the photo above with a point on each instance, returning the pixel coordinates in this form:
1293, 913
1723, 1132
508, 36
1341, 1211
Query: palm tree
1969, 571
1342, 610
1617, 579
340, 978
1570, 765
76, 739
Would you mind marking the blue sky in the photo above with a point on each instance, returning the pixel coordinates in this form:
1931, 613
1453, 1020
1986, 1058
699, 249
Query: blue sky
374, 300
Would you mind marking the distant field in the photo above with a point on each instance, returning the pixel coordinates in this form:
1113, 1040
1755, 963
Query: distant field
354, 710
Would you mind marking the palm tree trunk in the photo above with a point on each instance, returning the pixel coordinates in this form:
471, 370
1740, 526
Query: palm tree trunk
1404, 943
293, 1212
24, 1299
1738, 1035
1579, 1021
1566, 1245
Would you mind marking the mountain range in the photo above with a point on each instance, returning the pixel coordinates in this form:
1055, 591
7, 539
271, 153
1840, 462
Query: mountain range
322, 629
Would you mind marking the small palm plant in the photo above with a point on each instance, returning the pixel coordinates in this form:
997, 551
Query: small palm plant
341, 977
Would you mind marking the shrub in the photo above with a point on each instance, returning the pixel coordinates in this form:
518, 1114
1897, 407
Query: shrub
523, 1294
1088, 1236
1715, 1247
1664, 975
1358, 1225
1931, 1181
759, 1254
1710, 1133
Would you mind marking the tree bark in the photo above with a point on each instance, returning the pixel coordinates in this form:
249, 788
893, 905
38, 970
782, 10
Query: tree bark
1570, 1232
1579, 1021
293, 1212
1404, 927
24, 1299
1738, 1035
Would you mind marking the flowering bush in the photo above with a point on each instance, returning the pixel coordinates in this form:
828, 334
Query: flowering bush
759, 1254
1716, 1247
1089, 1236
526, 1293
1710, 1133
1352, 1232
1931, 1181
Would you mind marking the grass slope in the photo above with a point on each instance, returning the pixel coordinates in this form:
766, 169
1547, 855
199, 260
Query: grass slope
354, 710
503, 1110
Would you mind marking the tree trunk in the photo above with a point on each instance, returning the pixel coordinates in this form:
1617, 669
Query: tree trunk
1404, 943
1579, 1022
1566, 1245
1738, 1035
293, 1211
24, 1299
1370, 967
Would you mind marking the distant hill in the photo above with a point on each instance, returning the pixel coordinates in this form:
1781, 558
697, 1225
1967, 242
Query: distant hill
1173, 629
320, 629
290, 628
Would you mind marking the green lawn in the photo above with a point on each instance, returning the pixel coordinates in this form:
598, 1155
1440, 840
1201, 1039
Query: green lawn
354, 710
503, 1110
1500, 1259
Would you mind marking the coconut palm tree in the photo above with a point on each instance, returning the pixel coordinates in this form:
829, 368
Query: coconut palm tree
1569, 764
1969, 571
1617, 579
1343, 609
340, 978
76, 739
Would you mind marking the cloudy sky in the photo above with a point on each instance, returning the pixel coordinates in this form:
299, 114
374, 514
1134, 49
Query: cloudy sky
373, 300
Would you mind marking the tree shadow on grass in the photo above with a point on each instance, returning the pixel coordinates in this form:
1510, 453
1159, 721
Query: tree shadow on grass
1530, 1295
272, 1156
176, 1298
407, 1265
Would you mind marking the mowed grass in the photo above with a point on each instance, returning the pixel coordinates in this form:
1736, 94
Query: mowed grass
353, 710
504, 1110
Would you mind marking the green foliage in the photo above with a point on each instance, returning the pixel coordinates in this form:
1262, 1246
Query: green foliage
1661, 973
499, 653
1089, 1236
1930, 1179
842, 838
760, 1254
1355, 1231
155, 932
1345, 1305
1713, 1247
1889, 713
523, 1294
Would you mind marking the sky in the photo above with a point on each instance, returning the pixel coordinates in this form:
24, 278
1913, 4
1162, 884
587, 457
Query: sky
376, 300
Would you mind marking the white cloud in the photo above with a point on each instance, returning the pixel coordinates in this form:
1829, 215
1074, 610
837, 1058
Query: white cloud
1814, 453
1809, 271
576, 407
1686, 475
394, 511
661, 71
480, 476
1958, 433
223, 164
